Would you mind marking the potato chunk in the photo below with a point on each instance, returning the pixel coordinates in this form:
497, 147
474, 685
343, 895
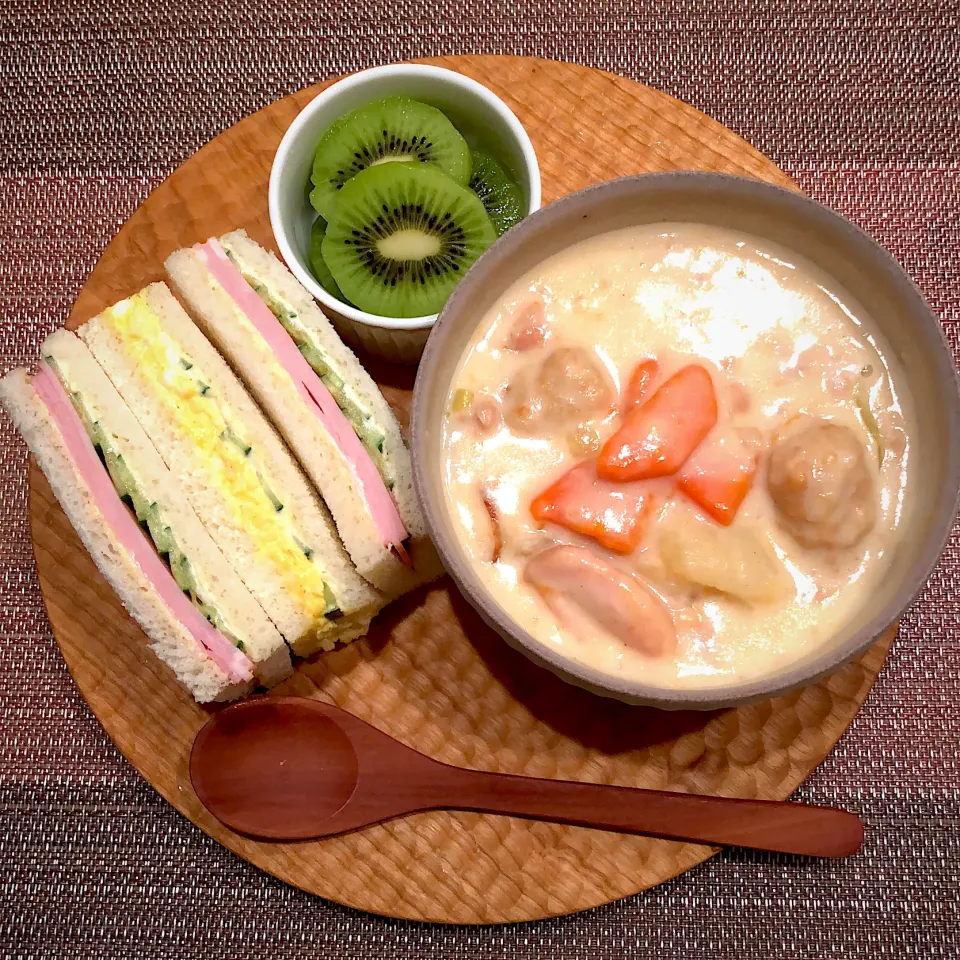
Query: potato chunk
737, 561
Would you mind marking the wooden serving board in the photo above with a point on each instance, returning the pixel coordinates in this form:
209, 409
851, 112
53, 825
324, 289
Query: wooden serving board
430, 673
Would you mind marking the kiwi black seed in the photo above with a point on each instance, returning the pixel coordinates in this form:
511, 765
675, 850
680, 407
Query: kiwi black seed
320, 270
391, 130
402, 237
501, 197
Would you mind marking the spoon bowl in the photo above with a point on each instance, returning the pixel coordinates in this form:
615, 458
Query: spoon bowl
299, 752
291, 768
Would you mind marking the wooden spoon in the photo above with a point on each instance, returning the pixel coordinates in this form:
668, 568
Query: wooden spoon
290, 768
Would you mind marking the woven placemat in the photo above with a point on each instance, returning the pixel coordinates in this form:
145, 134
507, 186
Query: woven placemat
857, 100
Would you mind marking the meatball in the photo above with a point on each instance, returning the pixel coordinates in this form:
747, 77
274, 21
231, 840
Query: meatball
574, 382
568, 386
523, 409
820, 485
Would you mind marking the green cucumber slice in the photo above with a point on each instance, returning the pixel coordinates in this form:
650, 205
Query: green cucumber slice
271, 496
364, 426
124, 482
307, 551
114, 467
182, 571
332, 610
83, 413
161, 534
229, 436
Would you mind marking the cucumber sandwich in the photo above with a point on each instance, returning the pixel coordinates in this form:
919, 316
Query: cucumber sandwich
139, 527
319, 396
233, 469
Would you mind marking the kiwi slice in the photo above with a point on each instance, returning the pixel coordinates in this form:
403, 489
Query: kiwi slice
500, 196
402, 236
395, 129
320, 270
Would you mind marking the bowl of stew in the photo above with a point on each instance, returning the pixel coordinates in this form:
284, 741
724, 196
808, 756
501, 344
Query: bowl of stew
688, 440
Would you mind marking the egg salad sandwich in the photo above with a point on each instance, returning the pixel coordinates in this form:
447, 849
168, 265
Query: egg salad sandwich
144, 536
319, 396
233, 470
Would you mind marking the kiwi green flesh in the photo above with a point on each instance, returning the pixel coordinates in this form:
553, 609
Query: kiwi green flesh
317, 264
500, 196
402, 237
395, 129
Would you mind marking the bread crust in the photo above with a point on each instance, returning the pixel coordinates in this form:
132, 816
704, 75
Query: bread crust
167, 636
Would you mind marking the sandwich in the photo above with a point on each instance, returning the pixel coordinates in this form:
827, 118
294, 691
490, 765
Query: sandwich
141, 532
320, 398
233, 470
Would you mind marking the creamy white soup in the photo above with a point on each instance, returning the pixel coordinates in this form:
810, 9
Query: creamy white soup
675, 454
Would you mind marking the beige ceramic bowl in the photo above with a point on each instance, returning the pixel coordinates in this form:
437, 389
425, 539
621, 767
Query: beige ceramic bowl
858, 266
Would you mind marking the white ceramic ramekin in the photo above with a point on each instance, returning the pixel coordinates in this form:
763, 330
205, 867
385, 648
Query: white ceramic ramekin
484, 120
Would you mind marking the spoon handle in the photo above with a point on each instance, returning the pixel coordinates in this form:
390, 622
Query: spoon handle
718, 821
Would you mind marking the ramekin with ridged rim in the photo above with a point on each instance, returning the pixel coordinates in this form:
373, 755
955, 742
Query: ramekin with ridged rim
479, 114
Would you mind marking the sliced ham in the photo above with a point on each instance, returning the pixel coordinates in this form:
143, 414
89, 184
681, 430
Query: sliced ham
118, 518
619, 603
311, 388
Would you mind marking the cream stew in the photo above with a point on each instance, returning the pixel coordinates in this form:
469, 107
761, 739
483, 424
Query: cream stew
676, 455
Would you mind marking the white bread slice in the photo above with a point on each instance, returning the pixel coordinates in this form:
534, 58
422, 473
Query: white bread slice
254, 360
302, 629
169, 639
223, 589
263, 267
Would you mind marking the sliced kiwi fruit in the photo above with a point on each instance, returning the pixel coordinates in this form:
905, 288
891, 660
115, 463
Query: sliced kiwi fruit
402, 237
500, 196
395, 129
320, 270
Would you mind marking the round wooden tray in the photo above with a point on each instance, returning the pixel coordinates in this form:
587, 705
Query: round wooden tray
430, 673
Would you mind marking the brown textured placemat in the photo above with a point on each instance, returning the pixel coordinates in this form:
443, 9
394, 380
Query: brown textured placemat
859, 101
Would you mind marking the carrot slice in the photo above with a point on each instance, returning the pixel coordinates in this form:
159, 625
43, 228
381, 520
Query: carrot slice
718, 477
639, 384
656, 438
613, 514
